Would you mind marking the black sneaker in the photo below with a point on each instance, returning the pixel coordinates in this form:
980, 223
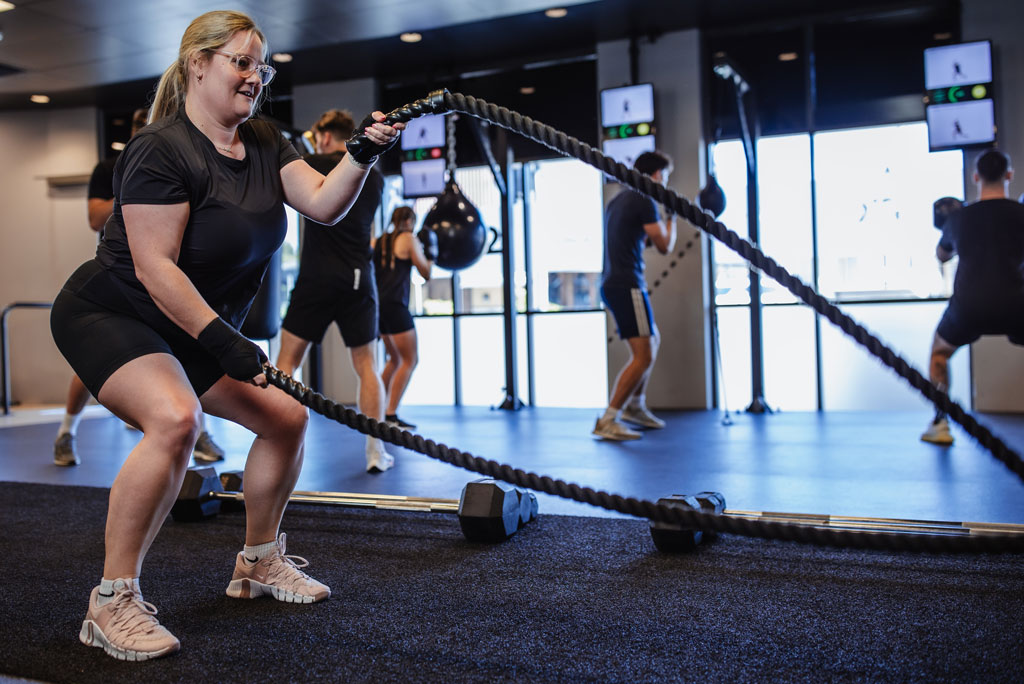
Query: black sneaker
393, 419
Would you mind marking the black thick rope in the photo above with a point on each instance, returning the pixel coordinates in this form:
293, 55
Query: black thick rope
440, 102
567, 145
638, 507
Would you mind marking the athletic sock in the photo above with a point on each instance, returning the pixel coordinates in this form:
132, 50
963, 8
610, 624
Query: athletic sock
611, 413
106, 592
70, 424
254, 553
637, 400
374, 446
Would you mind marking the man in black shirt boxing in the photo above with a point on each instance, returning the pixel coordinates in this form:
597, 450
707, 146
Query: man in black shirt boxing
988, 291
336, 283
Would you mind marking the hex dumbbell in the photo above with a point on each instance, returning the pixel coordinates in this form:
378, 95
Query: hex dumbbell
489, 511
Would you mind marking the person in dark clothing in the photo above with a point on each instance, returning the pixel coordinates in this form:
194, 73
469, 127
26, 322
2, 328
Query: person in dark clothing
100, 205
336, 283
988, 290
394, 255
151, 324
631, 222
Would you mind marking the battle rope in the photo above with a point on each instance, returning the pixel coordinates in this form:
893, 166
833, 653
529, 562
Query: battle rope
806, 534
441, 101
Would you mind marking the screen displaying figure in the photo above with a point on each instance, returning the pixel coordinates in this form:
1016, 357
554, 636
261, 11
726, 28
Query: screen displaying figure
626, 150
961, 123
423, 178
426, 131
626, 105
962, 64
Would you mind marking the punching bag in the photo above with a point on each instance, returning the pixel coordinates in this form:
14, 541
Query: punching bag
460, 230
264, 317
712, 197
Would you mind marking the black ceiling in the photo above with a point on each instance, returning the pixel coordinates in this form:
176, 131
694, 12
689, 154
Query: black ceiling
108, 53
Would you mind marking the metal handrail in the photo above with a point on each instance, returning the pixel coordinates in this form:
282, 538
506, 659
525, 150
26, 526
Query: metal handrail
5, 350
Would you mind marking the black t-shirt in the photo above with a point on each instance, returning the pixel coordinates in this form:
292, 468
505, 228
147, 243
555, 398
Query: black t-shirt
392, 273
236, 210
101, 182
332, 254
989, 237
624, 237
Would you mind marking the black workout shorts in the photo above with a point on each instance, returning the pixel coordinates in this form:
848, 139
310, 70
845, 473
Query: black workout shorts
314, 305
395, 318
963, 324
98, 338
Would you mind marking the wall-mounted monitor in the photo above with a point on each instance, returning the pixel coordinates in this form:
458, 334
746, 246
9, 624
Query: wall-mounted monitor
958, 65
959, 103
961, 125
423, 178
424, 132
626, 150
627, 105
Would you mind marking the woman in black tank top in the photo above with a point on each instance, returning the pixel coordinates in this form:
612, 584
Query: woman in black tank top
394, 255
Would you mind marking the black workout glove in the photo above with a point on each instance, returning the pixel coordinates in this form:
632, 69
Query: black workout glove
428, 239
364, 150
240, 358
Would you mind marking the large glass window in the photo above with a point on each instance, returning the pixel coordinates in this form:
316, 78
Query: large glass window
566, 252
566, 235
874, 193
875, 189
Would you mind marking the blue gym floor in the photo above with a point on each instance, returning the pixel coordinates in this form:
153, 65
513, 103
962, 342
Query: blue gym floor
841, 463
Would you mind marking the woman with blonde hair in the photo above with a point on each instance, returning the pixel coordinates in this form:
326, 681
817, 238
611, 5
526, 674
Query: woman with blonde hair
394, 255
150, 325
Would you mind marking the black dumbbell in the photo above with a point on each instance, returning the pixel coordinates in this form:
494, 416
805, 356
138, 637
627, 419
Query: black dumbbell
674, 538
943, 208
489, 511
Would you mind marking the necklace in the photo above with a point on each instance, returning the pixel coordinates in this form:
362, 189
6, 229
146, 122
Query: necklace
225, 149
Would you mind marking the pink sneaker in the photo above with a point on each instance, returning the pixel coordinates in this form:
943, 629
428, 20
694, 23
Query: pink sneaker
125, 627
276, 575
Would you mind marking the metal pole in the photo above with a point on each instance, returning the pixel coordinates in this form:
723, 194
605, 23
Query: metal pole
511, 401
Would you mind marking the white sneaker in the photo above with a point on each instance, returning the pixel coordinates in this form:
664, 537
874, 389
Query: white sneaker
938, 433
641, 415
614, 430
379, 461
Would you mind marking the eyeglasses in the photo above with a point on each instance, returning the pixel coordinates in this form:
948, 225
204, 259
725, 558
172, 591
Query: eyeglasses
246, 66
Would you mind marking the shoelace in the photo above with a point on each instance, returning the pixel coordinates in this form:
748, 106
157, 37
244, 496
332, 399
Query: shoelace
129, 622
278, 570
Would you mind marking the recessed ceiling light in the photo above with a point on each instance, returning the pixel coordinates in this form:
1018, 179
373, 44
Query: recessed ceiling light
4, 6
787, 57
945, 35
117, 146
556, 12
411, 37
40, 99
527, 90
281, 57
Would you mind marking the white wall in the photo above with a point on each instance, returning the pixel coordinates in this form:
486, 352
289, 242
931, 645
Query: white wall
681, 376
44, 235
998, 366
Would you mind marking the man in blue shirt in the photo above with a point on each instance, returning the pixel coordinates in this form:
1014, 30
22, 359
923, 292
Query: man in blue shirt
631, 223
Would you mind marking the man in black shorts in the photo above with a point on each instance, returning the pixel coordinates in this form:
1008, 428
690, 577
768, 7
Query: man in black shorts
631, 220
336, 283
988, 291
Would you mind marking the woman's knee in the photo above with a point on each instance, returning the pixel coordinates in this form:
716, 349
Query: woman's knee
177, 422
291, 420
